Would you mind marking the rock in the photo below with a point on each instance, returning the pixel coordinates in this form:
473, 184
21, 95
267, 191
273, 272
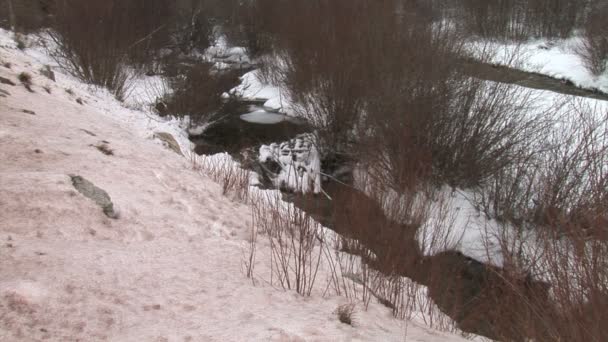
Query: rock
99, 196
6, 81
161, 108
169, 140
48, 73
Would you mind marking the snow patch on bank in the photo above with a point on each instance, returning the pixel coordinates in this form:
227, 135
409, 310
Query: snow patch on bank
253, 88
558, 59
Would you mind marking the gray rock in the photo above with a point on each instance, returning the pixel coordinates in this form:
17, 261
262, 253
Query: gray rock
99, 196
47, 72
170, 141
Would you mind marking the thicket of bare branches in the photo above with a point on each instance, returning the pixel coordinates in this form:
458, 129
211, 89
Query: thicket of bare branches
25, 16
99, 42
197, 92
387, 81
105, 43
594, 50
295, 240
521, 20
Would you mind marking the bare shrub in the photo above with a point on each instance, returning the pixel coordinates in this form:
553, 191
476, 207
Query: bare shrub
105, 149
517, 20
577, 267
378, 86
594, 49
20, 42
233, 179
98, 41
198, 92
319, 63
574, 178
558, 235
250, 27
295, 243
25, 15
193, 26
571, 301
26, 79
346, 313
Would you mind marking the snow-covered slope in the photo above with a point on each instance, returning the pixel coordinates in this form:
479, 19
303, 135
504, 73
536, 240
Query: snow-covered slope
170, 268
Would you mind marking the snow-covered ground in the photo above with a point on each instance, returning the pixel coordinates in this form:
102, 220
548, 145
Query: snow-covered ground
170, 268
253, 88
558, 59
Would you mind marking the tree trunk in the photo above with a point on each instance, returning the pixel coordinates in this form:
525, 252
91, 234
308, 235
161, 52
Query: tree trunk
11, 14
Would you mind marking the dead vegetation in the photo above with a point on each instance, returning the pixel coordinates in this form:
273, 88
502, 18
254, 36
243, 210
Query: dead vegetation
346, 313
594, 50
105, 149
26, 79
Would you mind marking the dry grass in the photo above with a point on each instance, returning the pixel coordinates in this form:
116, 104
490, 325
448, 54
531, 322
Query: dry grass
233, 179
105, 149
295, 241
346, 313
26, 79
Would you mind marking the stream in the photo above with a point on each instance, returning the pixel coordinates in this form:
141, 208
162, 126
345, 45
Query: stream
474, 294
505, 74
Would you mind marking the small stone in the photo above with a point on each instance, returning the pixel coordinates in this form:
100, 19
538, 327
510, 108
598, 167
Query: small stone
48, 73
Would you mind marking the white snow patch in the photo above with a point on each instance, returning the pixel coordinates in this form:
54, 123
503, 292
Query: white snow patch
263, 117
254, 89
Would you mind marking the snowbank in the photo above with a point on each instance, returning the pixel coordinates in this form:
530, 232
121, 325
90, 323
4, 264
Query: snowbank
275, 99
558, 59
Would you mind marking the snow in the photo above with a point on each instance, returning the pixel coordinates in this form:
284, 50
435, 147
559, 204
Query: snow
253, 88
143, 91
263, 117
558, 59
300, 163
224, 56
170, 268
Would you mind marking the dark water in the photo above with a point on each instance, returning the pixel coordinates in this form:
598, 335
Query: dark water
504, 74
231, 134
